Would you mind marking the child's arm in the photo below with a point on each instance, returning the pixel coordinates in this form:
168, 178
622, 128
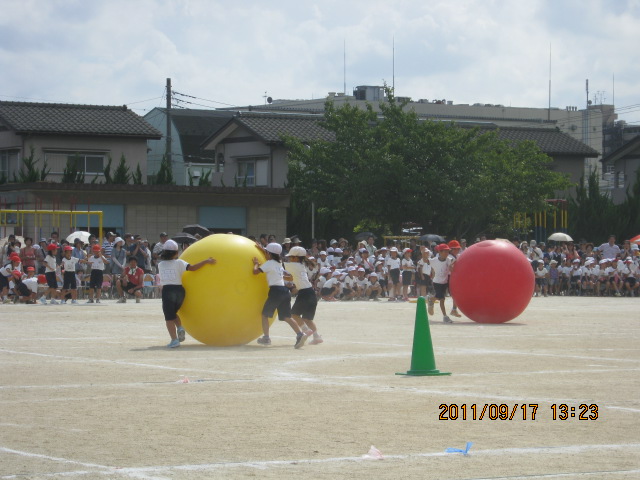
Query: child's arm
256, 264
197, 266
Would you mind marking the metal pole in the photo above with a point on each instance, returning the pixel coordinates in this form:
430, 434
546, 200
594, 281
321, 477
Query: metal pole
313, 220
168, 136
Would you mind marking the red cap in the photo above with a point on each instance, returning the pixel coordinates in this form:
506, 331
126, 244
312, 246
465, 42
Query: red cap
17, 273
42, 279
96, 248
52, 246
31, 269
443, 247
454, 244
14, 256
68, 248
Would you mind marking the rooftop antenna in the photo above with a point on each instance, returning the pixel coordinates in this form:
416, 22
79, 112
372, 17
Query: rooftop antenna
549, 110
344, 65
393, 66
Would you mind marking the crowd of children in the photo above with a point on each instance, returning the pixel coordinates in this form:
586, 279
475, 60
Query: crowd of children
328, 272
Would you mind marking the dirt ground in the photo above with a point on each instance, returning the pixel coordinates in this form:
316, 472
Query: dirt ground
90, 391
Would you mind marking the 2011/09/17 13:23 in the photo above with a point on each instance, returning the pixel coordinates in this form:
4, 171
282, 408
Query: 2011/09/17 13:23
524, 411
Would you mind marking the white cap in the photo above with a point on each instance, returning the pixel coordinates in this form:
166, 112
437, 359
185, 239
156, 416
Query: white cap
333, 241
373, 274
297, 252
351, 269
322, 253
337, 250
361, 269
169, 245
118, 239
393, 249
325, 270
274, 248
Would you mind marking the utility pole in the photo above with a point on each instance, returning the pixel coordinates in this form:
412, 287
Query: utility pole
168, 137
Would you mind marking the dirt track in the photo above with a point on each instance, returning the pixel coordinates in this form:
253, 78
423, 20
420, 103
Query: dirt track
90, 392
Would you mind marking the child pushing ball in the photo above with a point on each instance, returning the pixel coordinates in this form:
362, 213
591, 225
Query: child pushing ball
170, 270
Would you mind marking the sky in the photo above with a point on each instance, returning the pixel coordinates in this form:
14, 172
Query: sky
229, 53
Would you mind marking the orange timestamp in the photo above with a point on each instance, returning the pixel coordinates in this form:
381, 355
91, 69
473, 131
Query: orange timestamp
517, 411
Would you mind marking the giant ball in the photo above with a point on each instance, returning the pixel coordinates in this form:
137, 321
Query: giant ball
223, 301
492, 282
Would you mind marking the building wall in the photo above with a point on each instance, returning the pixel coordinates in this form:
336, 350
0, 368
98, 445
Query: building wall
134, 150
627, 166
146, 213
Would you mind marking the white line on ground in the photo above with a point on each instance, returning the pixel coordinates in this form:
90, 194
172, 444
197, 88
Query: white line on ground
142, 472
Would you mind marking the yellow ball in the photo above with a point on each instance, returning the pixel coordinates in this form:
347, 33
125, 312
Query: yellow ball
223, 302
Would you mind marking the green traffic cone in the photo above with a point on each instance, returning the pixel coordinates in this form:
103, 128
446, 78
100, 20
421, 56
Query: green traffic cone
423, 362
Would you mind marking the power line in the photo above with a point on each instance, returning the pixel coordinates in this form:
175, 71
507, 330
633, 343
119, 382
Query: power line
199, 98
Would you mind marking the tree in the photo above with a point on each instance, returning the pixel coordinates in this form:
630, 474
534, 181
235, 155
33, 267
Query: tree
71, 172
122, 174
393, 168
30, 173
165, 174
107, 171
137, 176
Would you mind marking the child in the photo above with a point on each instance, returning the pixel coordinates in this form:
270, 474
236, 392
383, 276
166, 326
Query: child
69, 284
26, 288
441, 266
454, 247
96, 277
382, 272
554, 278
304, 308
424, 273
170, 270
50, 273
374, 289
408, 267
328, 285
392, 262
542, 278
6, 274
131, 281
279, 296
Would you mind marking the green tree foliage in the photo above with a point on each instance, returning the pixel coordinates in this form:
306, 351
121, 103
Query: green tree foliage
203, 180
107, 171
71, 172
594, 216
392, 168
137, 176
30, 173
165, 174
122, 174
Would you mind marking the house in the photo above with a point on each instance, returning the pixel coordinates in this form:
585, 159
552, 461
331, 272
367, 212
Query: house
252, 150
621, 167
88, 135
189, 129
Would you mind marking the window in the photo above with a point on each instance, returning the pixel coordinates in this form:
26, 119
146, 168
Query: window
254, 169
91, 163
246, 176
8, 163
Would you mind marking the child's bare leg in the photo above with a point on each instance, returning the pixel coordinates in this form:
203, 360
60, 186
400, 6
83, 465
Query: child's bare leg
265, 325
291, 323
442, 307
172, 329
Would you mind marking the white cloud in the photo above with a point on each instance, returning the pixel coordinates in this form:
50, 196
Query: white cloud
468, 51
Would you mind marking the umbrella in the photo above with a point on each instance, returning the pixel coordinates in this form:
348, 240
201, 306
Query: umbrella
636, 239
430, 237
184, 237
364, 235
560, 237
196, 229
84, 236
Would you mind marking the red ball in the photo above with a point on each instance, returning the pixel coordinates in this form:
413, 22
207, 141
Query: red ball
492, 282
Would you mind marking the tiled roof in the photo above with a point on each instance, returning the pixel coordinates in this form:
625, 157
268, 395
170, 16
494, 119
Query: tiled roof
551, 141
271, 128
194, 126
68, 119
632, 147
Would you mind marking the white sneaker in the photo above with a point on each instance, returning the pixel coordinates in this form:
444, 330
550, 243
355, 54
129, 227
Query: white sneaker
74, 302
43, 300
122, 300
137, 300
53, 302
447, 320
317, 339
